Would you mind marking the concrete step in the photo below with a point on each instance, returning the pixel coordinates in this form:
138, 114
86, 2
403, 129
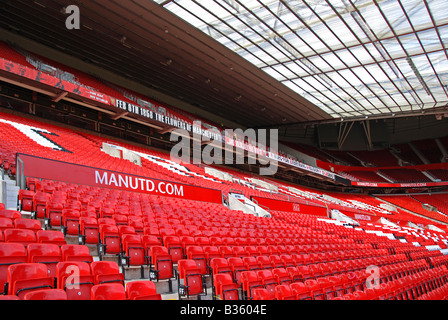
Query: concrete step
9, 193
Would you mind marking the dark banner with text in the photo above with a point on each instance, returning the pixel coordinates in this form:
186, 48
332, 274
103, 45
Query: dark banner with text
42, 168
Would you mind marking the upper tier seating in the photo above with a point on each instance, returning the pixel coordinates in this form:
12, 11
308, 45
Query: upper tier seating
313, 248
405, 175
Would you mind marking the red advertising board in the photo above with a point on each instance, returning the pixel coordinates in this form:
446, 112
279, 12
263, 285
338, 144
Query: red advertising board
52, 81
280, 205
399, 185
42, 168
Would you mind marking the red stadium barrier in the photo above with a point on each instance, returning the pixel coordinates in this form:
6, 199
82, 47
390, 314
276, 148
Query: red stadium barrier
37, 167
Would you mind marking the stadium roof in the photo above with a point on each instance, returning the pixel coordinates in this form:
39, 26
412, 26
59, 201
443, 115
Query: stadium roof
259, 63
349, 58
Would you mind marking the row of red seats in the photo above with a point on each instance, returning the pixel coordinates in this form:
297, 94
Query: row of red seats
13, 253
427, 284
56, 260
238, 268
356, 287
413, 205
73, 280
137, 290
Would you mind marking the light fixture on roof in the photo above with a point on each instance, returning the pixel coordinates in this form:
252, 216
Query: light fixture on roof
166, 62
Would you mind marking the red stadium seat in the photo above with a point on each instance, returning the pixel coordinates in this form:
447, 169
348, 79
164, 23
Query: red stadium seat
142, 290
46, 294
40, 201
262, 294
106, 272
284, 292
10, 253
75, 278
197, 254
23, 236
268, 280
251, 263
6, 223
224, 287
161, 263
9, 297
10, 214
54, 212
25, 200
133, 249
88, 230
190, 280
282, 276
174, 246
51, 236
75, 252
220, 265
27, 277
70, 221
237, 265
250, 281
30, 224
108, 291
48, 254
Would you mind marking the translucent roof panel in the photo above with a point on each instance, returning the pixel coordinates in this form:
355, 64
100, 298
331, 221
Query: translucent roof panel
350, 58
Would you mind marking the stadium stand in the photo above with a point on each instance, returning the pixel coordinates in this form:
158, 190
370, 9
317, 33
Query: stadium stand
326, 258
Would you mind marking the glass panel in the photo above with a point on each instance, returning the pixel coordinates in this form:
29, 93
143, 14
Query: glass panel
314, 48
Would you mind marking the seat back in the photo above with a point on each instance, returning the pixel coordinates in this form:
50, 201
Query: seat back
76, 252
106, 272
174, 247
51, 236
261, 294
142, 290
10, 253
134, 249
191, 276
161, 263
224, 286
46, 294
219, 265
31, 224
23, 236
89, 230
26, 277
284, 292
75, 278
48, 254
301, 291
6, 223
110, 239
250, 282
197, 254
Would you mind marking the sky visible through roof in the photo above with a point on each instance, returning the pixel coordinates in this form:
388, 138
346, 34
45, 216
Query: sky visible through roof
350, 58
